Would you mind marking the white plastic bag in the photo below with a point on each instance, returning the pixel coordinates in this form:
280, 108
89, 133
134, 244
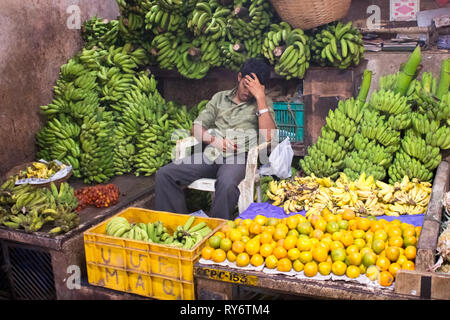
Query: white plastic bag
280, 161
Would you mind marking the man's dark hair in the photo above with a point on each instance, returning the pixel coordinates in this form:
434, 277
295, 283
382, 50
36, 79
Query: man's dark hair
257, 66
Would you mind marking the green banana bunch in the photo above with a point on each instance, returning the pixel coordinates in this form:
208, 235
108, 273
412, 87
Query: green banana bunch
287, 49
421, 124
371, 151
190, 63
352, 108
163, 17
117, 226
345, 143
65, 220
337, 45
440, 138
374, 126
208, 18
317, 163
164, 48
331, 149
249, 18
417, 148
197, 109
233, 55
210, 51
405, 165
356, 164
389, 102
339, 122
100, 32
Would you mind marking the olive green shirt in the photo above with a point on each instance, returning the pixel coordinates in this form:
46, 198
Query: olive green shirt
224, 118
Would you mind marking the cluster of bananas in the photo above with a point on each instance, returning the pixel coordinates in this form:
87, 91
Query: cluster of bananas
30, 208
405, 165
250, 18
96, 140
287, 49
164, 48
209, 18
100, 32
389, 102
374, 127
165, 15
234, 55
418, 148
40, 170
366, 196
191, 63
359, 162
185, 236
337, 45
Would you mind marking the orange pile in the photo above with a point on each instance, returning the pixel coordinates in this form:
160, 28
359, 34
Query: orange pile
342, 244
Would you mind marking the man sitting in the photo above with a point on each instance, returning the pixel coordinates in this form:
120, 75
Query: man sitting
228, 127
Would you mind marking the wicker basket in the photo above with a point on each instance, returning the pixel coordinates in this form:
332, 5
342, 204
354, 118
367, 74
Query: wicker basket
15, 170
308, 14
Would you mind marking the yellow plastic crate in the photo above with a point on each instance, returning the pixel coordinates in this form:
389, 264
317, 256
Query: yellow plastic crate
148, 269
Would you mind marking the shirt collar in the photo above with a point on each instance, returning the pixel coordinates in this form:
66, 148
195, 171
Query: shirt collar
231, 94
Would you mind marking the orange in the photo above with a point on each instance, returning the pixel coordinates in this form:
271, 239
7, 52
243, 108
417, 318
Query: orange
293, 254
266, 237
314, 218
280, 252
238, 246
409, 231
338, 254
243, 230
271, 262
395, 241
410, 252
337, 236
260, 219
219, 255
376, 226
316, 233
363, 224
368, 236
304, 244
347, 239
360, 243
279, 234
304, 228
335, 245
321, 224
392, 253
298, 265
252, 247
373, 273
290, 242
237, 221
207, 253
402, 259
352, 249
325, 268
242, 259
409, 241
214, 241
393, 268
255, 228
266, 250
269, 229
246, 222
231, 256
386, 278
352, 271
292, 221
358, 234
383, 263
354, 258
323, 244
348, 214
245, 239
394, 231
282, 226
284, 265
225, 244
305, 257
310, 269
343, 224
319, 254
314, 242
272, 221
329, 216
293, 232
369, 259
352, 224
380, 235
235, 235
220, 234
332, 226
408, 265
257, 260
338, 268
418, 230
226, 229
378, 246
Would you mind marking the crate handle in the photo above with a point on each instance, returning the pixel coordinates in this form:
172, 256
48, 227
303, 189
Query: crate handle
292, 113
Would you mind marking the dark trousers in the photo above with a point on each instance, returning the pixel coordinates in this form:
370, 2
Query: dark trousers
171, 179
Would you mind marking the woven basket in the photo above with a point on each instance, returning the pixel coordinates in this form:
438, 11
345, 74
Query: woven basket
15, 170
308, 14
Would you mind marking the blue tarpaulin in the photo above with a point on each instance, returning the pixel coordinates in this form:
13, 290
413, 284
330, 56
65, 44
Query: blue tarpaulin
270, 211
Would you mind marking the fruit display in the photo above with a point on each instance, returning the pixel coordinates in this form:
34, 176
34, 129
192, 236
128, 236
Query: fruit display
337, 45
99, 196
366, 196
30, 208
323, 244
40, 170
185, 236
287, 49
100, 32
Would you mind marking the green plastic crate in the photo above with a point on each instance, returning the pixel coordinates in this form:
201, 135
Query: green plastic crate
289, 120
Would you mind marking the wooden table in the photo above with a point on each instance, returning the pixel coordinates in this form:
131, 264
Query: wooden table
63, 251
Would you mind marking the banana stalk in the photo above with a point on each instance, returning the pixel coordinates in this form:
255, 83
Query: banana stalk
406, 75
365, 86
444, 79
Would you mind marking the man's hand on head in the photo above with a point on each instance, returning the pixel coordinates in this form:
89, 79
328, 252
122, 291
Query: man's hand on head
254, 86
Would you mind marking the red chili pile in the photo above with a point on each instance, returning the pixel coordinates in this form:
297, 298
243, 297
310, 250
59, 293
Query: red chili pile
100, 196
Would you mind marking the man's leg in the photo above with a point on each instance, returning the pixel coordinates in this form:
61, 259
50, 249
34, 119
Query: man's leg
226, 196
170, 180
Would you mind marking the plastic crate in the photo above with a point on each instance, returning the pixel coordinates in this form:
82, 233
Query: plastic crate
289, 120
139, 267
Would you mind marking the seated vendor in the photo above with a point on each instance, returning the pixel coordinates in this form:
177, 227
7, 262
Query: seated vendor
228, 127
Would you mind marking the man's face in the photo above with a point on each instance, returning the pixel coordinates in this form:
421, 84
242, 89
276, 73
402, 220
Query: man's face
242, 91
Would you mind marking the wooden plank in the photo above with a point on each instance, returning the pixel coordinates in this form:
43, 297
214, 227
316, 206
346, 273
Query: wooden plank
427, 285
426, 246
324, 289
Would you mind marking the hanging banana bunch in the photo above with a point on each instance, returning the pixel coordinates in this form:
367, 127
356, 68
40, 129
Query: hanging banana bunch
249, 18
190, 63
209, 18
